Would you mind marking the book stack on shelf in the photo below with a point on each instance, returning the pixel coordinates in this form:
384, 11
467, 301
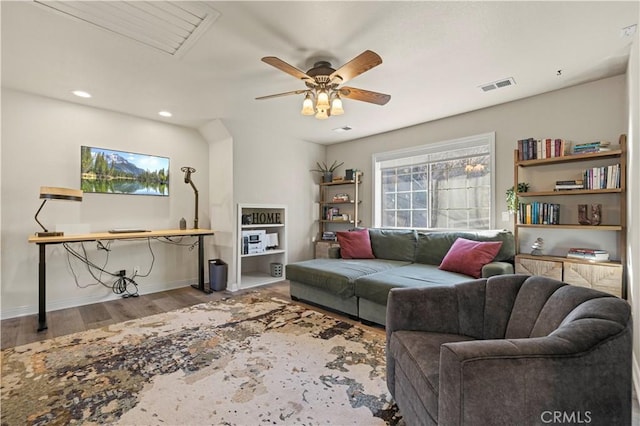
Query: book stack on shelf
329, 236
592, 255
597, 146
602, 177
537, 213
537, 149
568, 185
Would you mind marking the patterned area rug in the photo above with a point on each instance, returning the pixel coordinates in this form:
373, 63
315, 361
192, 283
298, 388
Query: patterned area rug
247, 360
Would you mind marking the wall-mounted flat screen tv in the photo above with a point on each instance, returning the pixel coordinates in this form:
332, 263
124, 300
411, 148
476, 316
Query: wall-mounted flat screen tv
119, 172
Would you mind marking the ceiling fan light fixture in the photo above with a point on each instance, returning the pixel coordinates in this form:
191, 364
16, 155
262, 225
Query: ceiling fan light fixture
323, 100
307, 105
322, 114
336, 106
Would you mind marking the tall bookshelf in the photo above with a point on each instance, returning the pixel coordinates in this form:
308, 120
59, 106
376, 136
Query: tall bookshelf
542, 174
342, 196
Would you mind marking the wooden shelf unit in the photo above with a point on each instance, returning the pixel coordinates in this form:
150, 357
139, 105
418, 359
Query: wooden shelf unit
606, 276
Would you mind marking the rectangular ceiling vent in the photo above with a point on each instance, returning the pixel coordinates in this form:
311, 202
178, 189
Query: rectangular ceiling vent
171, 27
505, 82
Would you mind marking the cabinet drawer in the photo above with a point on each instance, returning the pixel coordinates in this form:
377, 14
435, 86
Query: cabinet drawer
545, 268
607, 278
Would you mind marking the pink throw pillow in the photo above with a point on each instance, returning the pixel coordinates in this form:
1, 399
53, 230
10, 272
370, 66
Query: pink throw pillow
355, 244
468, 256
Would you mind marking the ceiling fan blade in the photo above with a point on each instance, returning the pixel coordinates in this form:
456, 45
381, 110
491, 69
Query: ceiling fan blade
289, 69
364, 95
361, 63
277, 95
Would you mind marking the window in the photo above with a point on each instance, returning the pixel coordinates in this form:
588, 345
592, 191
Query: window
446, 185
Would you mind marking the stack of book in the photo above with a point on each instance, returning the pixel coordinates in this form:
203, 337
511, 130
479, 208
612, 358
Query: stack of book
564, 185
537, 213
535, 149
329, 236
597, 146
593, 255
602, 177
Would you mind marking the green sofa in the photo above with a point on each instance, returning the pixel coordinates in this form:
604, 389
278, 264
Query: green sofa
403, 258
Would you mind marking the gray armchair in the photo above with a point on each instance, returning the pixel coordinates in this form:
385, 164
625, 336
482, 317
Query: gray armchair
509, 350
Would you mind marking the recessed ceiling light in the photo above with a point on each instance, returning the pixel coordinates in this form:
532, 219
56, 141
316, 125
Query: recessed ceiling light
81, 94
165, 114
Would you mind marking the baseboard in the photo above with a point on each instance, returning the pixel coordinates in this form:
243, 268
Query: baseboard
54, 305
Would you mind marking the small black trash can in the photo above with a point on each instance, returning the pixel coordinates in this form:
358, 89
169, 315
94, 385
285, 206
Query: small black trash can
217, 275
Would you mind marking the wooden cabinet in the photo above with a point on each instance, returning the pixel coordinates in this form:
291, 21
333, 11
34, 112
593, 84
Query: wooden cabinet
262, 244
603, 276
541, 175
339, 204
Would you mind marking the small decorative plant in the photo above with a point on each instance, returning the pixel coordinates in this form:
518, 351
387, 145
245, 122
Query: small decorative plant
327, 171
512, 196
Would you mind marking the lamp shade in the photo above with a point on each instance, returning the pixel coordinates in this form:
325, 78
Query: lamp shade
307, 106
54, 193
323, 100
336, 106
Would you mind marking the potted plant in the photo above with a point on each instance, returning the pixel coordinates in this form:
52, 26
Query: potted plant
512, 196
327, 171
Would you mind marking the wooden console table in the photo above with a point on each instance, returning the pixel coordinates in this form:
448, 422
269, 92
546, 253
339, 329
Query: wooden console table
42, 243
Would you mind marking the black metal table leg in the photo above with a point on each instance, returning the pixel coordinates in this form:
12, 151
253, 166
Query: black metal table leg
200, 285
42, 285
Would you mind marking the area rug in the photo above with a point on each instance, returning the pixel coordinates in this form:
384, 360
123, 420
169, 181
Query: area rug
247, 360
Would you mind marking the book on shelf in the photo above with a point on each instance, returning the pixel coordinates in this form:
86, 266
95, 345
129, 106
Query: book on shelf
534, 149
562, 185
568, 187
605, 177
537, 213
329, 236
597, 146
594, 255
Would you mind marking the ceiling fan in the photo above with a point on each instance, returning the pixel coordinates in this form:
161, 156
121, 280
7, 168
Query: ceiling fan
323, 84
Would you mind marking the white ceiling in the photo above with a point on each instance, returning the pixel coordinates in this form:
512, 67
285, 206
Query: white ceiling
435, 57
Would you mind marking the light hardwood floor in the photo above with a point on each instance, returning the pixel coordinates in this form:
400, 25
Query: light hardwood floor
22, 330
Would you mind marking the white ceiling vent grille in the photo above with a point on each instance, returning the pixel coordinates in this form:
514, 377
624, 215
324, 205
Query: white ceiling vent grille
505, 82
169, 26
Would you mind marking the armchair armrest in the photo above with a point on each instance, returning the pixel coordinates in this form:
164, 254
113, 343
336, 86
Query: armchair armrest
496, 268
533, 373
434, 309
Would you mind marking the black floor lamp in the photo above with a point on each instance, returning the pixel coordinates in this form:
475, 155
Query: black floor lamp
187, 179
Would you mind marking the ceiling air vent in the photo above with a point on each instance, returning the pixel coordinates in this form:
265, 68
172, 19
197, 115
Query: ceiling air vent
168, 26
342, 129
505, 82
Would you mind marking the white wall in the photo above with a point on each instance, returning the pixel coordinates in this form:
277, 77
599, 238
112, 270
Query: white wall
581, 113
633, 187
270, 169
41, 141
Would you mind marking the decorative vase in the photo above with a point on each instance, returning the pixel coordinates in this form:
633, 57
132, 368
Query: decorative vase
327, 177
596, 214
583, 215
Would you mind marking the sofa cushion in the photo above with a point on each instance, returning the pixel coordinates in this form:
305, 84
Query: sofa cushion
375, 287
336, 276
394, 244
355, 244
432, 247
468, 256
